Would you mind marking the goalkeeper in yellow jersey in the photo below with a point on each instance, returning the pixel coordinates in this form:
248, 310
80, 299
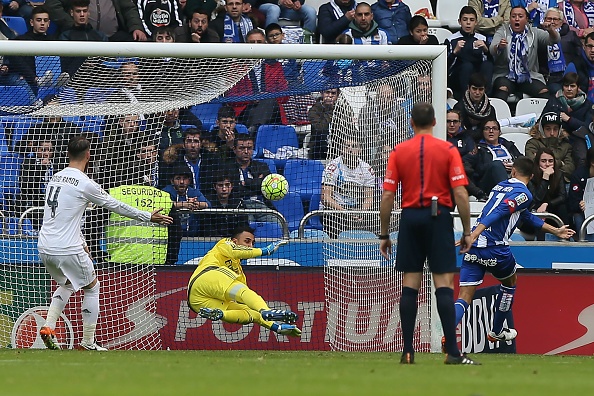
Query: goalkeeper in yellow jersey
218, 289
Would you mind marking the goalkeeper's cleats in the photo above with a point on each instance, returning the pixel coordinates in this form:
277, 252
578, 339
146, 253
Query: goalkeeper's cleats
407, 358
210, 313
505, 335
49, 338
462, 359
286, 329
91, 347
279, 315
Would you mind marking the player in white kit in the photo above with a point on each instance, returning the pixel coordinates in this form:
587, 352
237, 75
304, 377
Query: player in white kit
62, 247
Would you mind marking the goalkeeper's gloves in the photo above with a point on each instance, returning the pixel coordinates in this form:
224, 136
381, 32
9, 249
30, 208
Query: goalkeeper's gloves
269, 249
286, 329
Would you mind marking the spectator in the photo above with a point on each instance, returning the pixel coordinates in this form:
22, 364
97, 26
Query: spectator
571, 102
163, 34
579, 15
418, 33
172, 132
491, 15
320, 116
493, 159
6, 32
119, 19
159, 13
197, 30
348, 183
515, 50
274, 35
583, 65
209, 6
188, 154
475, 107
269, 77
581, 140
394, 17
232, 26
577, 185
147, 156
185, 200
81, 30
21, 8
468, 53
294, 10
460, 138
548, 133
548, 187
35, 174
334, 18
222, 197
247, 176
558, 56
224, 133
536, 9
380, 120
364, 30
25, 67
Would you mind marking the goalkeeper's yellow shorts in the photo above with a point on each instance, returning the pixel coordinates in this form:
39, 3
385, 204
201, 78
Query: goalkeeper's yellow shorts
208, 289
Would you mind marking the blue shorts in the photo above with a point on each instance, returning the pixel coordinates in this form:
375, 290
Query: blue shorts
498, 260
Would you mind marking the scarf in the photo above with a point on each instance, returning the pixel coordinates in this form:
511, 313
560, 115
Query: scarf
490, 8
569, 104
338, 13
555, 58
479, 111
590, 65
230, 32
518, 58
537, 14
570, 14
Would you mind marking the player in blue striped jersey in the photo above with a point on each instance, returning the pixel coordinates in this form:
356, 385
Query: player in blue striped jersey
507, 205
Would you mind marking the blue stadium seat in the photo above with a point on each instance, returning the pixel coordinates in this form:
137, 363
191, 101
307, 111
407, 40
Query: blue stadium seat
312, 74
14, 95
272, 137
46, 63
11, 227
271, 164
304, 176
207, 113
291, 208
10, 168
265, 229
242, 129
19, 126
18, 24
316, 221
309, 234
357, 234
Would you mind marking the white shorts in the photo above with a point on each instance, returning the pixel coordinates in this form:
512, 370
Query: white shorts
76, 268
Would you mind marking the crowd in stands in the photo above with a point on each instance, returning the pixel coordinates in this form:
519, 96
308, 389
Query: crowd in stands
504, 50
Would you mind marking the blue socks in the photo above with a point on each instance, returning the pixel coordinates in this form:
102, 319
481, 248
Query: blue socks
461, 306
503, 304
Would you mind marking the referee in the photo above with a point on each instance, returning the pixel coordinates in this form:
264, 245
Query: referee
428, 168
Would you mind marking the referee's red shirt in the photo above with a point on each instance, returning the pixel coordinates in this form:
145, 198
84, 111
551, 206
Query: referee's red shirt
426, 166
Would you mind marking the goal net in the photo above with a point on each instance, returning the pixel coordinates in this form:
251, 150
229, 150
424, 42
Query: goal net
193, 130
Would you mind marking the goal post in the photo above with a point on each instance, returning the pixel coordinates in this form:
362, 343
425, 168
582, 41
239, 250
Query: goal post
143, 302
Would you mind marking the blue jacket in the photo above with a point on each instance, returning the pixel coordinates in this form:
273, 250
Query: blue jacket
393, 20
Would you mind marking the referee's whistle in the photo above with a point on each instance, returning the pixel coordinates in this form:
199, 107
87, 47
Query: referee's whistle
434, 206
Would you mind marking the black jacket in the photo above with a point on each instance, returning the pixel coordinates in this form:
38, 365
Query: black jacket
479, 161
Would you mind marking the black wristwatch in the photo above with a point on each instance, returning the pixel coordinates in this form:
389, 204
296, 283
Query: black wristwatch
383, 237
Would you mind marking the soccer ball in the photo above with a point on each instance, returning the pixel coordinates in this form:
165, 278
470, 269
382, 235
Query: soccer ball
274, 187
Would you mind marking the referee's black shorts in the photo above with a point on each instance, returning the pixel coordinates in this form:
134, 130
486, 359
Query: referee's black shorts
424, 237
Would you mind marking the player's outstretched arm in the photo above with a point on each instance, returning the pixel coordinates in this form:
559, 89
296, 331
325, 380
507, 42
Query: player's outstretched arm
157, 217
273, 247
563, 232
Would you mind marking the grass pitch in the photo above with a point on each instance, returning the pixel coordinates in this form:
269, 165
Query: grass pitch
146, 373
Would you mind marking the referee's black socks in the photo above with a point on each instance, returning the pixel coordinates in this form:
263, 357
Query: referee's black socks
408, 316
447, 314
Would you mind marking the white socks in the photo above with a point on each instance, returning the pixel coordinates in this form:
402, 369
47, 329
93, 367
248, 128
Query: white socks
59, 301
90, 313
